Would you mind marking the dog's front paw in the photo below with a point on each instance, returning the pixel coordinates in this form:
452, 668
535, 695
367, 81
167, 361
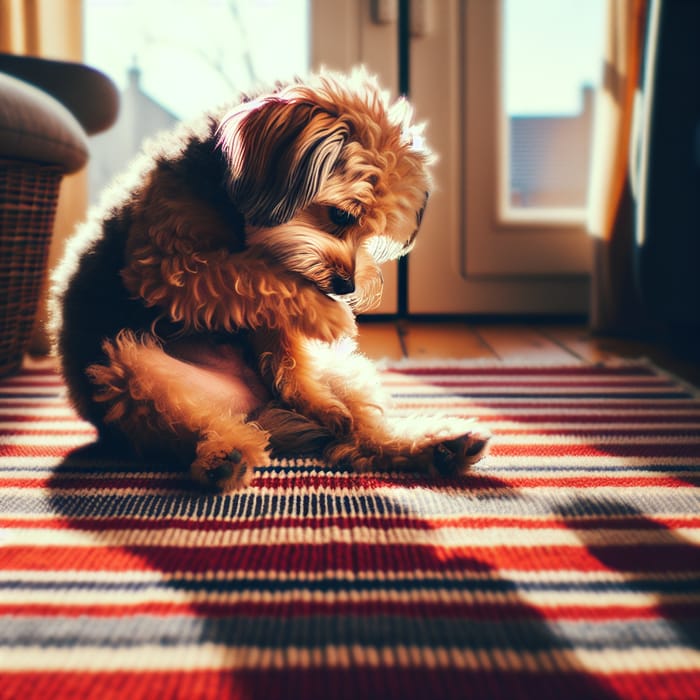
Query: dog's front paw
453, 456
323, 318
224, 469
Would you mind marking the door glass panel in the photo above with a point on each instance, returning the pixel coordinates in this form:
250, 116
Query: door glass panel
552, 62
172, 59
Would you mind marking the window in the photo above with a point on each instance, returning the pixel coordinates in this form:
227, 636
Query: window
488, 244
172, 60
551, 65
524, 230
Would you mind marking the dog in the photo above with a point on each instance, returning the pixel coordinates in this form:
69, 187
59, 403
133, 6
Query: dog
206, 310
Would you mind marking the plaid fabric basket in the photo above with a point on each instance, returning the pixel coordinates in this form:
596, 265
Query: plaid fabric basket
28, 199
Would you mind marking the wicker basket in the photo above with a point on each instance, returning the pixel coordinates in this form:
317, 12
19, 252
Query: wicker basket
28, 198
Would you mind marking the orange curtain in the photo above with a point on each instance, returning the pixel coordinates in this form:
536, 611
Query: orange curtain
614, 303
49, 29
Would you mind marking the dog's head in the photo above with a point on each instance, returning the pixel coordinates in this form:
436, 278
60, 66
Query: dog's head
331, 178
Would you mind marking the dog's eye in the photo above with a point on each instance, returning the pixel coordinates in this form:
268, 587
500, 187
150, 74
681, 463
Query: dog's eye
341, 217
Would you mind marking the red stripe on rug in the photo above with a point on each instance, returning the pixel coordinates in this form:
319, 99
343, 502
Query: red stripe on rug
474, 611
618, 449
675, 556
581, 370
377, 522
359, 682
497, 387
473, 482
657, 416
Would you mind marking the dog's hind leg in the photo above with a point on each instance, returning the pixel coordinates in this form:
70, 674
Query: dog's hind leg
379, 438
160, 403
347, 413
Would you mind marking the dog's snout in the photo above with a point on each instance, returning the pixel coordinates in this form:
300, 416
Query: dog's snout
342, 285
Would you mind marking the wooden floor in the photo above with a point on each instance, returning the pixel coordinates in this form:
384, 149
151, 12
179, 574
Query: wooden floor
565, 343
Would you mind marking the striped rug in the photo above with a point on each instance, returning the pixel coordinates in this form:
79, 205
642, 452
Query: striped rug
566, 565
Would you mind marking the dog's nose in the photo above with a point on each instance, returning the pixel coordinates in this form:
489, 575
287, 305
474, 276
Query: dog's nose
342, 285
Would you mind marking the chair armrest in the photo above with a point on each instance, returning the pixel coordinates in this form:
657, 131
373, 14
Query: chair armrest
87, 93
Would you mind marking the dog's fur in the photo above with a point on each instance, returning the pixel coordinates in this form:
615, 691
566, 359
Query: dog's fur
205, 309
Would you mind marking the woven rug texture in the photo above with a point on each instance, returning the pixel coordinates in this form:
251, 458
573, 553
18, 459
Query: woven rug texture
565, 565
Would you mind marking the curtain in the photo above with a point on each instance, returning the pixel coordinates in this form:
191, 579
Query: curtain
615, 305
49, 29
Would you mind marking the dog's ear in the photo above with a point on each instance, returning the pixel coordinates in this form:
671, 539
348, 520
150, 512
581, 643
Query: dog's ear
279, 152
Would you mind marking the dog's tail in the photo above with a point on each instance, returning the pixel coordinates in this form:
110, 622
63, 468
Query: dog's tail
291, 432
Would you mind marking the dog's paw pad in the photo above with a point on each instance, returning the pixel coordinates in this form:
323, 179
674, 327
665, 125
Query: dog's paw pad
224, 471
450, 456
220, 473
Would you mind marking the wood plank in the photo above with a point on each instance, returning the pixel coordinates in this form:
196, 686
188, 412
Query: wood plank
40, 363
522, 343
579, 341
442, 341
379, 340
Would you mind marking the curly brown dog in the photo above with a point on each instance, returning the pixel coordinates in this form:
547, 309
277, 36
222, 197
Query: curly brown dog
206, 308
